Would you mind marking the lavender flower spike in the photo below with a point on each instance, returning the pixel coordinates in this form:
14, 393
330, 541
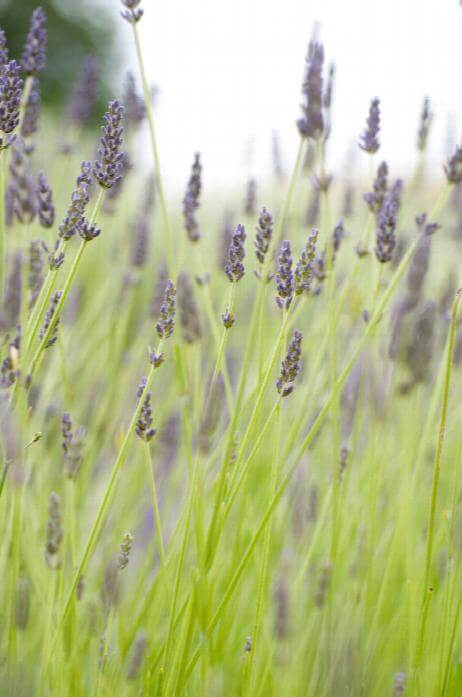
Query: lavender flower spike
369, 139
385, 235
143, 427
453, 167
290, 366
250, 197
79, 200
35, 270
135, 108
45, 208
84, 93
133, 13
285, 277
166, 322
30, 121
108, 168
264, 235
21, 191
72, 444
191, 200
10, 101
54, 301
304, 269
34, 55
3, 51
54, 534
376, 197
311, 124
426, 119
234, 266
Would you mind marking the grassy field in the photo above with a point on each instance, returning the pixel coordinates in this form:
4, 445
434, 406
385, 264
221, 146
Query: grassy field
231, 442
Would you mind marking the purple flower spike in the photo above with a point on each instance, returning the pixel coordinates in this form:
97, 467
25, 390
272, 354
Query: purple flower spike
45, 208
21, 191
3, 51
290, 366
426, 119
385, 234
49, 315
84, 93
10, 101
191, 200
34, 55
285, 277
375, 198
135, 108
79, 199
304, 269
143, 428
369, 139
453, 167
30, 121
234, 266
133, 13
108, 168
166, 323
264, 235
311, 124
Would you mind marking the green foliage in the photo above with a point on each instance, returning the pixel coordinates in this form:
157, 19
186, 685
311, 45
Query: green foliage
75, 29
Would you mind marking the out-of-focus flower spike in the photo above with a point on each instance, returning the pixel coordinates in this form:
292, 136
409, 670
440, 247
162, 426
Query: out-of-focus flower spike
369, 140
34, 56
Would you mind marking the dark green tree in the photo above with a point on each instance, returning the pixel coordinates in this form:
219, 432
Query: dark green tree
75, 29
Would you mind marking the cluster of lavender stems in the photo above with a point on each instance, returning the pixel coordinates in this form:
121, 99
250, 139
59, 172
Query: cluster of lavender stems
31, 199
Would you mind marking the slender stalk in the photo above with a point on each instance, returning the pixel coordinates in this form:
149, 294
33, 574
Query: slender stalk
65, 292
152, 133
435, 485
224, 336
213, 537
178, 576
279, 229
263, 578
301, 450
103, 507
155, 503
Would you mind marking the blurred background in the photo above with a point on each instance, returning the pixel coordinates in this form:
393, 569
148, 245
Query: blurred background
229, 74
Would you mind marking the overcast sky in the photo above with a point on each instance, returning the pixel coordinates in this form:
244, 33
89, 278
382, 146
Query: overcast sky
230, 73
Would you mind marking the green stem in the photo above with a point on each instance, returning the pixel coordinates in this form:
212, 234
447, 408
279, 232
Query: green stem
155, 503
434, 491
155, 152
224, 336
178, 575
279, 230
262, 583
65, 292
104, 506
306, 442
213, 536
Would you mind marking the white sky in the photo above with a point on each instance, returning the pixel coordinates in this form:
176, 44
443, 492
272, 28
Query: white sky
230, 72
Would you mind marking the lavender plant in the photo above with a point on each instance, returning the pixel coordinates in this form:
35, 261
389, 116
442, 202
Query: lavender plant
292, 484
